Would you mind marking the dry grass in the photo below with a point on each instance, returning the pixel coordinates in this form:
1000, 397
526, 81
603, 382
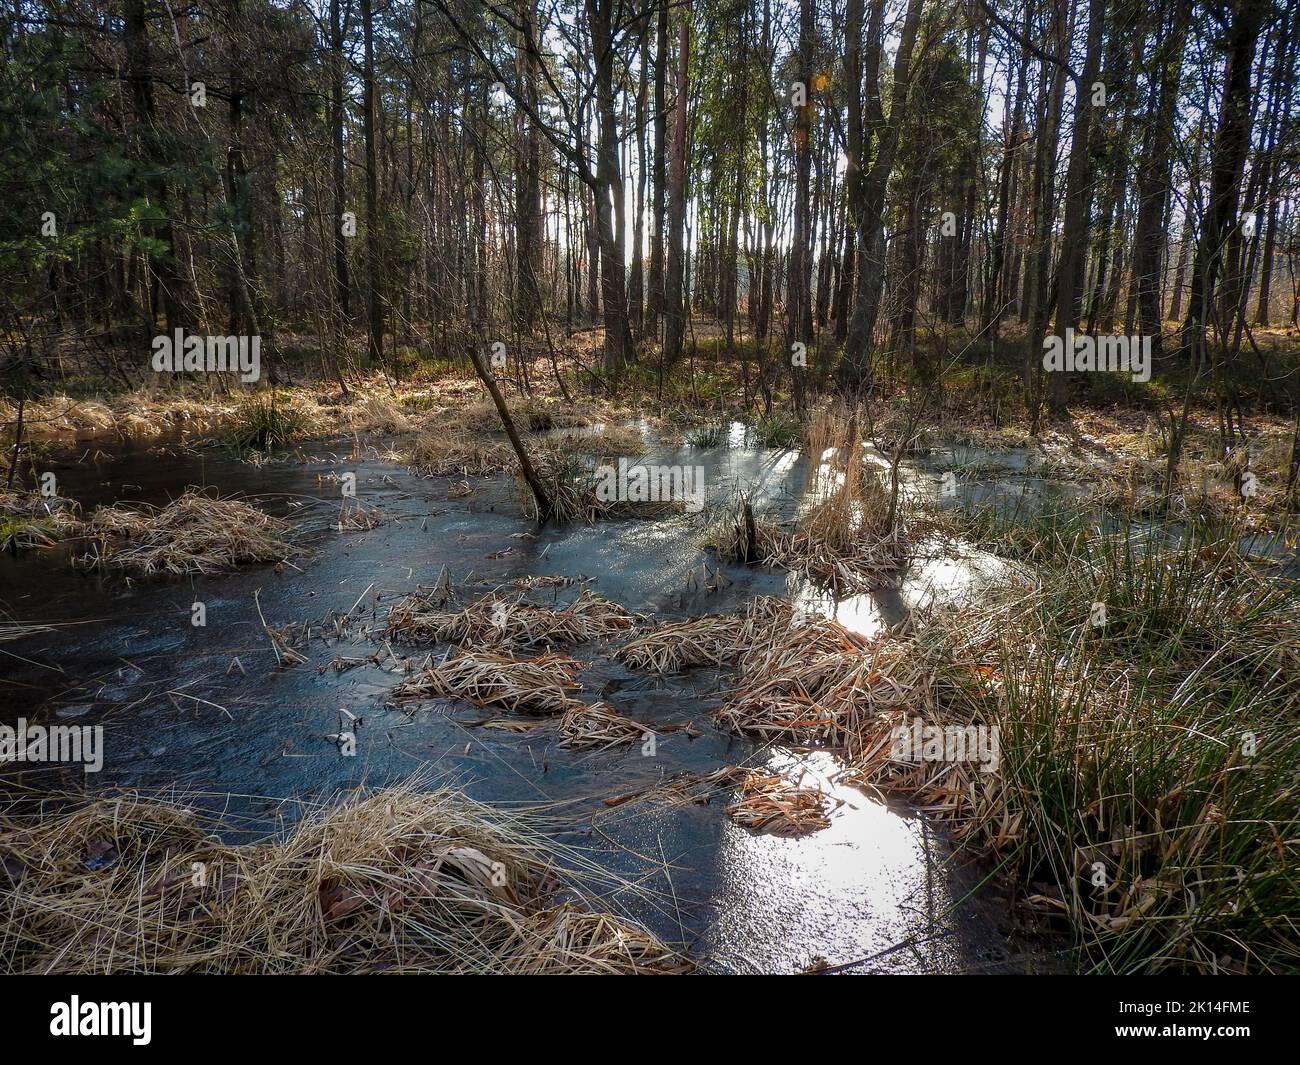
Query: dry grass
23, 504
770, 803
598, 727
686, 789
714, 639
395, 881
268, 421
194, 534
819, 684
30, 520
549, 414
609, 441
453, 454
377, 413
11, 628
850, 534
536, 415
865, 567
140, 414
353, 517
499, 621
728, 533
544, 685
848, 497
533, 414
971, 803
572, 485
546, 580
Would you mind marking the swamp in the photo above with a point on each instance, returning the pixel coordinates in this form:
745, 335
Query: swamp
620, 516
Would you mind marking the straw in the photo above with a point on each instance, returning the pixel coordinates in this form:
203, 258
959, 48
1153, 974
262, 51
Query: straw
542, 685
195, 534
500, 621
398, 880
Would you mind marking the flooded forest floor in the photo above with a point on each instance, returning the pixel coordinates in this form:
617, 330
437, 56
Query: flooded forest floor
361, 712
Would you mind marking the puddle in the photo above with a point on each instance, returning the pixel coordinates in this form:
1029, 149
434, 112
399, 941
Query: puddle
208, 708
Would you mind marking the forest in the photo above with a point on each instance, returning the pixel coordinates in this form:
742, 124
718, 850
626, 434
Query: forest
617, 475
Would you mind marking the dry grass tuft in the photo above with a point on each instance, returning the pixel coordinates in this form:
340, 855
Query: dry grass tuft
819, 684
771, 803
610, 441
850, 535
353, 517
768, 802
141, 413
685, 789
546, 580
376, 413
498, 621
537, 415
544, 685
451, 454
194, 534
738, 534
30, 520
598, 726
712, 640
573, 486
396, 881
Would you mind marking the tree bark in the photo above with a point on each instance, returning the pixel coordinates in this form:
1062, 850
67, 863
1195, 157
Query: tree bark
374, 298
674, 312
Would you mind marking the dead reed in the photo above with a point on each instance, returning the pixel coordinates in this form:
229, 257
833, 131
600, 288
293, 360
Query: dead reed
714, 639
194, 534
458, 454
574, 487
819, 685
32, 520
685, 788
378, 413
598, 727
851, 532
770, 803
538, 415
544, 685
399, 880
353, 517
610, 440
501, 621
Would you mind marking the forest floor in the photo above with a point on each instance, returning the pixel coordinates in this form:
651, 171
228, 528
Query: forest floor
654, 736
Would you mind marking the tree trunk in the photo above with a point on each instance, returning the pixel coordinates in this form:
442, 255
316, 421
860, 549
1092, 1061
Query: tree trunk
674, 312
1078, 188
528, 194
1155, 170
343, 309
1231, 145
374, 304
855, 367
